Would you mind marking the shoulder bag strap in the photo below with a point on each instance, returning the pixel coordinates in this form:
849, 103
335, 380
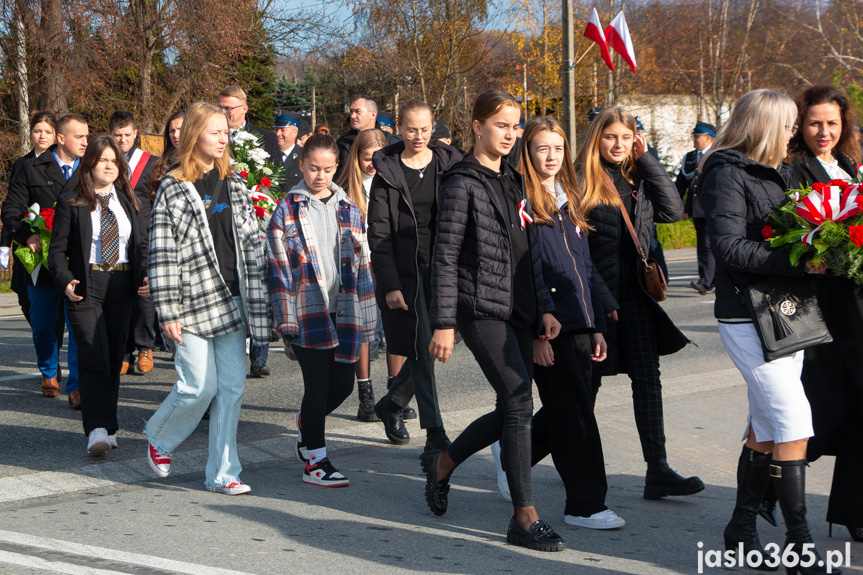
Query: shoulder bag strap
217, 195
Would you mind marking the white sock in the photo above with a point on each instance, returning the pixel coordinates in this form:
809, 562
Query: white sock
316, 455
366, 380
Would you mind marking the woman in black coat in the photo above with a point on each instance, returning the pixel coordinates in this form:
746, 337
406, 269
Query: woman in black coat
618, 174
402, 214
824, 149
97, 256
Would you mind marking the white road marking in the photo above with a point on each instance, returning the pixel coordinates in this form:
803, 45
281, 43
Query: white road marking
682, 278
52, 566
19, 376
102, 553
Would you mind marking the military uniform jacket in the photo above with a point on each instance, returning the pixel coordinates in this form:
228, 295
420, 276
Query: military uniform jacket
291, 166
184, 273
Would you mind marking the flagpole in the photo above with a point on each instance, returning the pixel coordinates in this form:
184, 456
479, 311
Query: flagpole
568, 74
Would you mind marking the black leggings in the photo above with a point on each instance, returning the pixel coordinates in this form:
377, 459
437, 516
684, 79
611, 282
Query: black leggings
566, 427
505, 356
326, 383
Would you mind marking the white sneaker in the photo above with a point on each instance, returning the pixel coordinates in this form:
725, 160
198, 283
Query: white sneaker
607, 519
98, 441
235, 488
502, 482
112, 440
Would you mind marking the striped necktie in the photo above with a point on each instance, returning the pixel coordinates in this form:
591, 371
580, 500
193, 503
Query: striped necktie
109, 235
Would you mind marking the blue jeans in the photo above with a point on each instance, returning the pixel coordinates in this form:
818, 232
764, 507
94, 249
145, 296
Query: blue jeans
44, 307
211, 369
259, 351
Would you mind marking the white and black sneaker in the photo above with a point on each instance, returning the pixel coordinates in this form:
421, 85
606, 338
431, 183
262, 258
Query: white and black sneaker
300, 451
324, 474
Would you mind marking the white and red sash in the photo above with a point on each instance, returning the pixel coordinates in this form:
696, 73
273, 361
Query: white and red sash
137, 163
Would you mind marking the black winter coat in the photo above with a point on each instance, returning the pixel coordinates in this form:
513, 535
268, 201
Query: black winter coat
687, 185
346, 142
831, 375
656, 200
472, 272
38, 180
739, 194
392, 236
568, 272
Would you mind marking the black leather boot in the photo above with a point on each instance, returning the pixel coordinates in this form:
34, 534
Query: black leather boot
662, 481
436, 438
789, 478
768, 505
391, 416
753, 475
366, 410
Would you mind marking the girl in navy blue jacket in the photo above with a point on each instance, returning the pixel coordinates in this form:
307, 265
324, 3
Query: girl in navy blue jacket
565, 426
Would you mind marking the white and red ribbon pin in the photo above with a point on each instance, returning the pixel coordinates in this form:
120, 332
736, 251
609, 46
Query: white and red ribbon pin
523, 216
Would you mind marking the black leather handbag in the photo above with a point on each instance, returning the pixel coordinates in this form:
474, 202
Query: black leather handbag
786, 315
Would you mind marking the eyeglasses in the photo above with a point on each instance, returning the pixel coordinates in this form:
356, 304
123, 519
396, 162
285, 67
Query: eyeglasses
792, 129
106, 161
229, 108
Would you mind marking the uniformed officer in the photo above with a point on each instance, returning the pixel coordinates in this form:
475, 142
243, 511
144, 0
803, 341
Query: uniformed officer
687, 181
287, 127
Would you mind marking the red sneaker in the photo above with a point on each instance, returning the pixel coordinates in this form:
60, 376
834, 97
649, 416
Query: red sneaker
159, 462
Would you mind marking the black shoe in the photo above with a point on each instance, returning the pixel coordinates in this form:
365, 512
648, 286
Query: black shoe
436, 439
541, 537
259, 367
409, 413
662, 481
741, 535
394, 425
366, 410
436, 491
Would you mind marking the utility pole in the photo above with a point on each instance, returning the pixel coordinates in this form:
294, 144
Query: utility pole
567, 74
524, 92
314, 108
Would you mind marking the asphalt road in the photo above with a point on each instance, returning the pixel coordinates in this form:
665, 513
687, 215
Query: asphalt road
62, 511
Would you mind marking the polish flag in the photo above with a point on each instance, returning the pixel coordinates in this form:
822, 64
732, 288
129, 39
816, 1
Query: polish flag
619, 39
594, 32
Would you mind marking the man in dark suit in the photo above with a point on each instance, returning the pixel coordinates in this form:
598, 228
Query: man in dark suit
122, 127
287, 128
41, 181
687, 184
233, 101
363, 116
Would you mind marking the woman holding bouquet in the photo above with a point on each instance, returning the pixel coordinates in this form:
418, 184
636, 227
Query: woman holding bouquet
825, 149
98, 258
741, 187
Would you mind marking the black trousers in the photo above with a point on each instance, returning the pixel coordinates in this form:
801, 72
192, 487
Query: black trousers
143, 334
706, 261
638, 352
566, 427
100, 326
505, 356
326, 383
417, 375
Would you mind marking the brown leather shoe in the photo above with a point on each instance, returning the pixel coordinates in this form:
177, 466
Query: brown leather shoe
145, 360
50, 387
75, 399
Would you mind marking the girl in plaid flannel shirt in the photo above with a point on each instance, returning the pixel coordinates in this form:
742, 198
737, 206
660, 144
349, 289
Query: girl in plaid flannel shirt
322, 296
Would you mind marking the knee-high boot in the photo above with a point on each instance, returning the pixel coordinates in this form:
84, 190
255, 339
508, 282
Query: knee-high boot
753, 474
789, 477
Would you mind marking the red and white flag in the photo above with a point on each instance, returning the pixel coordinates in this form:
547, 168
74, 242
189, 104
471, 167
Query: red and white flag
594, 32
619, 39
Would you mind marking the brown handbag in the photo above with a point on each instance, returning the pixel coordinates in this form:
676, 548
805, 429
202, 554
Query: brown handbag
654, 279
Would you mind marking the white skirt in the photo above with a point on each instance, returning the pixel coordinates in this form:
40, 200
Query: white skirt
778, 408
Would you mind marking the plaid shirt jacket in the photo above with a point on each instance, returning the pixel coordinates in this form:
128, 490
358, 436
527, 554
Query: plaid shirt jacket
296, 282
185, 281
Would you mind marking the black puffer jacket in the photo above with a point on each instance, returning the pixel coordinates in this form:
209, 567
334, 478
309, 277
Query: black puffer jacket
392, 235
472, 271
738, 194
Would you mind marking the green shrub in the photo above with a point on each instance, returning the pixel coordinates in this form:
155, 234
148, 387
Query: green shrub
677, 235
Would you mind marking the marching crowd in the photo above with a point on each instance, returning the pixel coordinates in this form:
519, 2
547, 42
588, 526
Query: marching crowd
403, 244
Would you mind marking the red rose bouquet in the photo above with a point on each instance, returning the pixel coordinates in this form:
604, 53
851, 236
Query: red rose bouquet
264, 206
823, 222
261, 172
41, 222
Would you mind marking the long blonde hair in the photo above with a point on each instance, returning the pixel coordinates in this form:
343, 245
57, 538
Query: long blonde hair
194, 121
543, 204
596, 186
757, 127
351, 178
